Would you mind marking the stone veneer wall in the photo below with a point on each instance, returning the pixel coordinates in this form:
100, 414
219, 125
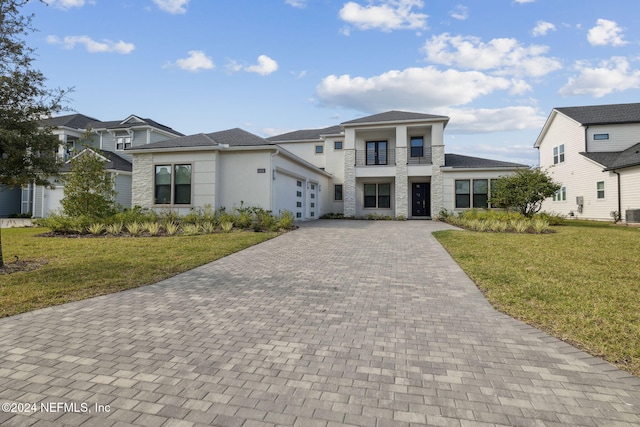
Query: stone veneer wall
402, 182
349, 183
437, 184
142, 182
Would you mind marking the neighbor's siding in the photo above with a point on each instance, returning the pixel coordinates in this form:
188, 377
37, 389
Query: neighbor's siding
10, 200
630, 186
621, 137
123, 189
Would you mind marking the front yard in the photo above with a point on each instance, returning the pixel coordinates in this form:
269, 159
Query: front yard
76, 268
580, 284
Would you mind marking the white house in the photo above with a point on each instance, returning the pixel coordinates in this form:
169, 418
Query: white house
109, 140
594, 153
390, 163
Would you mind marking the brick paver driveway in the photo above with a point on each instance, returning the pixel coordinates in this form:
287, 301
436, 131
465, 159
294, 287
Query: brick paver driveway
340, 322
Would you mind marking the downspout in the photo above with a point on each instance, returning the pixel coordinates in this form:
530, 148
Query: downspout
273, 178
619, 194
586, 139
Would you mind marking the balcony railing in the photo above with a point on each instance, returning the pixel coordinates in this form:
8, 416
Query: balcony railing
419, 155
376, 158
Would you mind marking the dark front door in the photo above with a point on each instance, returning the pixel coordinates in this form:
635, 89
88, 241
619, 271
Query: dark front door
421, 203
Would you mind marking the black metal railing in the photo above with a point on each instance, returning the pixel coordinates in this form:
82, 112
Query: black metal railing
376, 158
419, 155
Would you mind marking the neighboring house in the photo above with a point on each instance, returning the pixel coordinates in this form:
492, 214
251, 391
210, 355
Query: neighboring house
109, 139
594, 153
391, 164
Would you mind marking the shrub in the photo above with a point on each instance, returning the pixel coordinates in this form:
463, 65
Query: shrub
96, 228
115, 228
65, 224
153, 228
208, 227
190, 229
171, 228
539, 225
265, 220
134, 228
519, 226
286, 220
226, 226
552, 218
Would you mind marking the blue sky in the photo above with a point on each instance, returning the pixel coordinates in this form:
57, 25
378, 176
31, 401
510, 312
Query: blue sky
495, 67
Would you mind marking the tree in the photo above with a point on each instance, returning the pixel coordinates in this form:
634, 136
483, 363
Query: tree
27, 151
89, 188
523, 192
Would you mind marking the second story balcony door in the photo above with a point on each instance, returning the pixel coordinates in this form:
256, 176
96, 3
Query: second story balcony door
377, 152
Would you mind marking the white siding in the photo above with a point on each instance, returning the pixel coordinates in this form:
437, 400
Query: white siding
630, 187
621, 137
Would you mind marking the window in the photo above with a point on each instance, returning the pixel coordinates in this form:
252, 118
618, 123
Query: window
319, 149
298, 204
299, 183
558, 154
600, 136
560, 195
172, 184
463, 193
377, 196
337, 192
123, 142
600, 189
481, 193
376, 152
417, 146
337, 145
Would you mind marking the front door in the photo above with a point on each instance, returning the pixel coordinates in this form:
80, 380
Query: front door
421, 204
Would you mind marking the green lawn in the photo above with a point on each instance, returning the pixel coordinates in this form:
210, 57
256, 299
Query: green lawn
78, 268
580, 284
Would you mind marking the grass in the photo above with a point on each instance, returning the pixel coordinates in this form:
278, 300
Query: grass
580, 284
79, 268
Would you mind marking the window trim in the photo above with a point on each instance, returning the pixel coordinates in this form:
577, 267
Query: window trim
172, 185
601, 136
470, 195
560, 195
337, 145
319, 149
124, 142
377, 197
412, 147
335, 193
558, 154
600, 190
376, 153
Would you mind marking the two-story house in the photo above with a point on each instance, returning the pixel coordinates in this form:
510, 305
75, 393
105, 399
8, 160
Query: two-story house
594, 153
108, 140
390, 164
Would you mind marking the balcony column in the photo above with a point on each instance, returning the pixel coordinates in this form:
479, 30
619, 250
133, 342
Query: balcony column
402, 174
349, 186
437, 158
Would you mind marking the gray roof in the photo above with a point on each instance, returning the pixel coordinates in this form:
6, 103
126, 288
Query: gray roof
462, 162
612, 160
74, 121
117, 124
306, 134
395, 116
115, 162
233, 137
603, 114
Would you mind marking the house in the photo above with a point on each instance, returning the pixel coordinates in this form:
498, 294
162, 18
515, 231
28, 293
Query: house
594, 153
390, 164
109, 140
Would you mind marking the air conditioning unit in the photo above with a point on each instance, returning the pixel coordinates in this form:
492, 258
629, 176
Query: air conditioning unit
633, 215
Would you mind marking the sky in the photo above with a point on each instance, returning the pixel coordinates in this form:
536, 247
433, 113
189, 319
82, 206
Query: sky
495, 67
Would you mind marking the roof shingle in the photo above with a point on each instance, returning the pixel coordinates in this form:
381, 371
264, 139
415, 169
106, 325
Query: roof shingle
603, 114
462, 162
395, 116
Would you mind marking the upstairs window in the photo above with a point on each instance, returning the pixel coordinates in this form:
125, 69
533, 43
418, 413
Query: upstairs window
558, 154
337, 145
123, 142
319, 149
600, 136
417, 146
376, 152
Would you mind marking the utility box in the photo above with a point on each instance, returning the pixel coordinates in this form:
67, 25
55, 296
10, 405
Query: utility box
633, 215
580, 200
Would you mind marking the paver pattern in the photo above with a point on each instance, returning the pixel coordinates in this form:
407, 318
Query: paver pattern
359, 323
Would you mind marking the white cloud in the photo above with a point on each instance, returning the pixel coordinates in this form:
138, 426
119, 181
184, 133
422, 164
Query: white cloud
265, 66
460, 12
524, 1
542, 28
385, 15
65, 4
613, 75
196, 61
92, 46
300, 4
505, 56
485, 120
172, 6
606, 33
417, 89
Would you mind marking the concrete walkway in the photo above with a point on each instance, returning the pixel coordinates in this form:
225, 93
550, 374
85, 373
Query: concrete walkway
339, 323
